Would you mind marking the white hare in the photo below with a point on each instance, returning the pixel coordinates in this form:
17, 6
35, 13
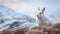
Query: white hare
43, 19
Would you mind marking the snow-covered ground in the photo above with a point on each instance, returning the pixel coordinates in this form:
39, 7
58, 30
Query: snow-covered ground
9, 19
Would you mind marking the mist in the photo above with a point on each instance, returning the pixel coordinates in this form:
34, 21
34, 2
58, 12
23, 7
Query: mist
30, 7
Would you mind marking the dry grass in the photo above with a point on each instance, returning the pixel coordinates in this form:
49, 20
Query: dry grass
44, 29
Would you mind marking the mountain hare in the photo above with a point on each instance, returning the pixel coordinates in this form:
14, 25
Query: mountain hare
43, 19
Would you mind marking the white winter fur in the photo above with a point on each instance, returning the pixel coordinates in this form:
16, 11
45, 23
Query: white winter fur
43, 19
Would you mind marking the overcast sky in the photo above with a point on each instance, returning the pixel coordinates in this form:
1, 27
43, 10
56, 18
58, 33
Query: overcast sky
30, 7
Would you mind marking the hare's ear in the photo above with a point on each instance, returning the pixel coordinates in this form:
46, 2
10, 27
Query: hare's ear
43, 10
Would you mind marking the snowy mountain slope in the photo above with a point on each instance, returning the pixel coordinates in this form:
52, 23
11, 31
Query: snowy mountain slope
9, 19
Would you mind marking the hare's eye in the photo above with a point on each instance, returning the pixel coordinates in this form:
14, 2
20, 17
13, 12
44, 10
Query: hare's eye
40, 13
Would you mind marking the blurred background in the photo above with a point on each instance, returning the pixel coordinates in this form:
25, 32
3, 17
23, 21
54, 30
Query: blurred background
25, 11
30, 7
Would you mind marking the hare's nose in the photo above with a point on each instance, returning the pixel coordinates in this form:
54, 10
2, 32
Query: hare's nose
40, 13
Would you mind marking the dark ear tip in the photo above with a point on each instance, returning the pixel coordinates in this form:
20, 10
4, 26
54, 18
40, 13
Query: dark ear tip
43, 8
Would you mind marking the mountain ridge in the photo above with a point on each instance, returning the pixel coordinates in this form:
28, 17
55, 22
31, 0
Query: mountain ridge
9, 18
